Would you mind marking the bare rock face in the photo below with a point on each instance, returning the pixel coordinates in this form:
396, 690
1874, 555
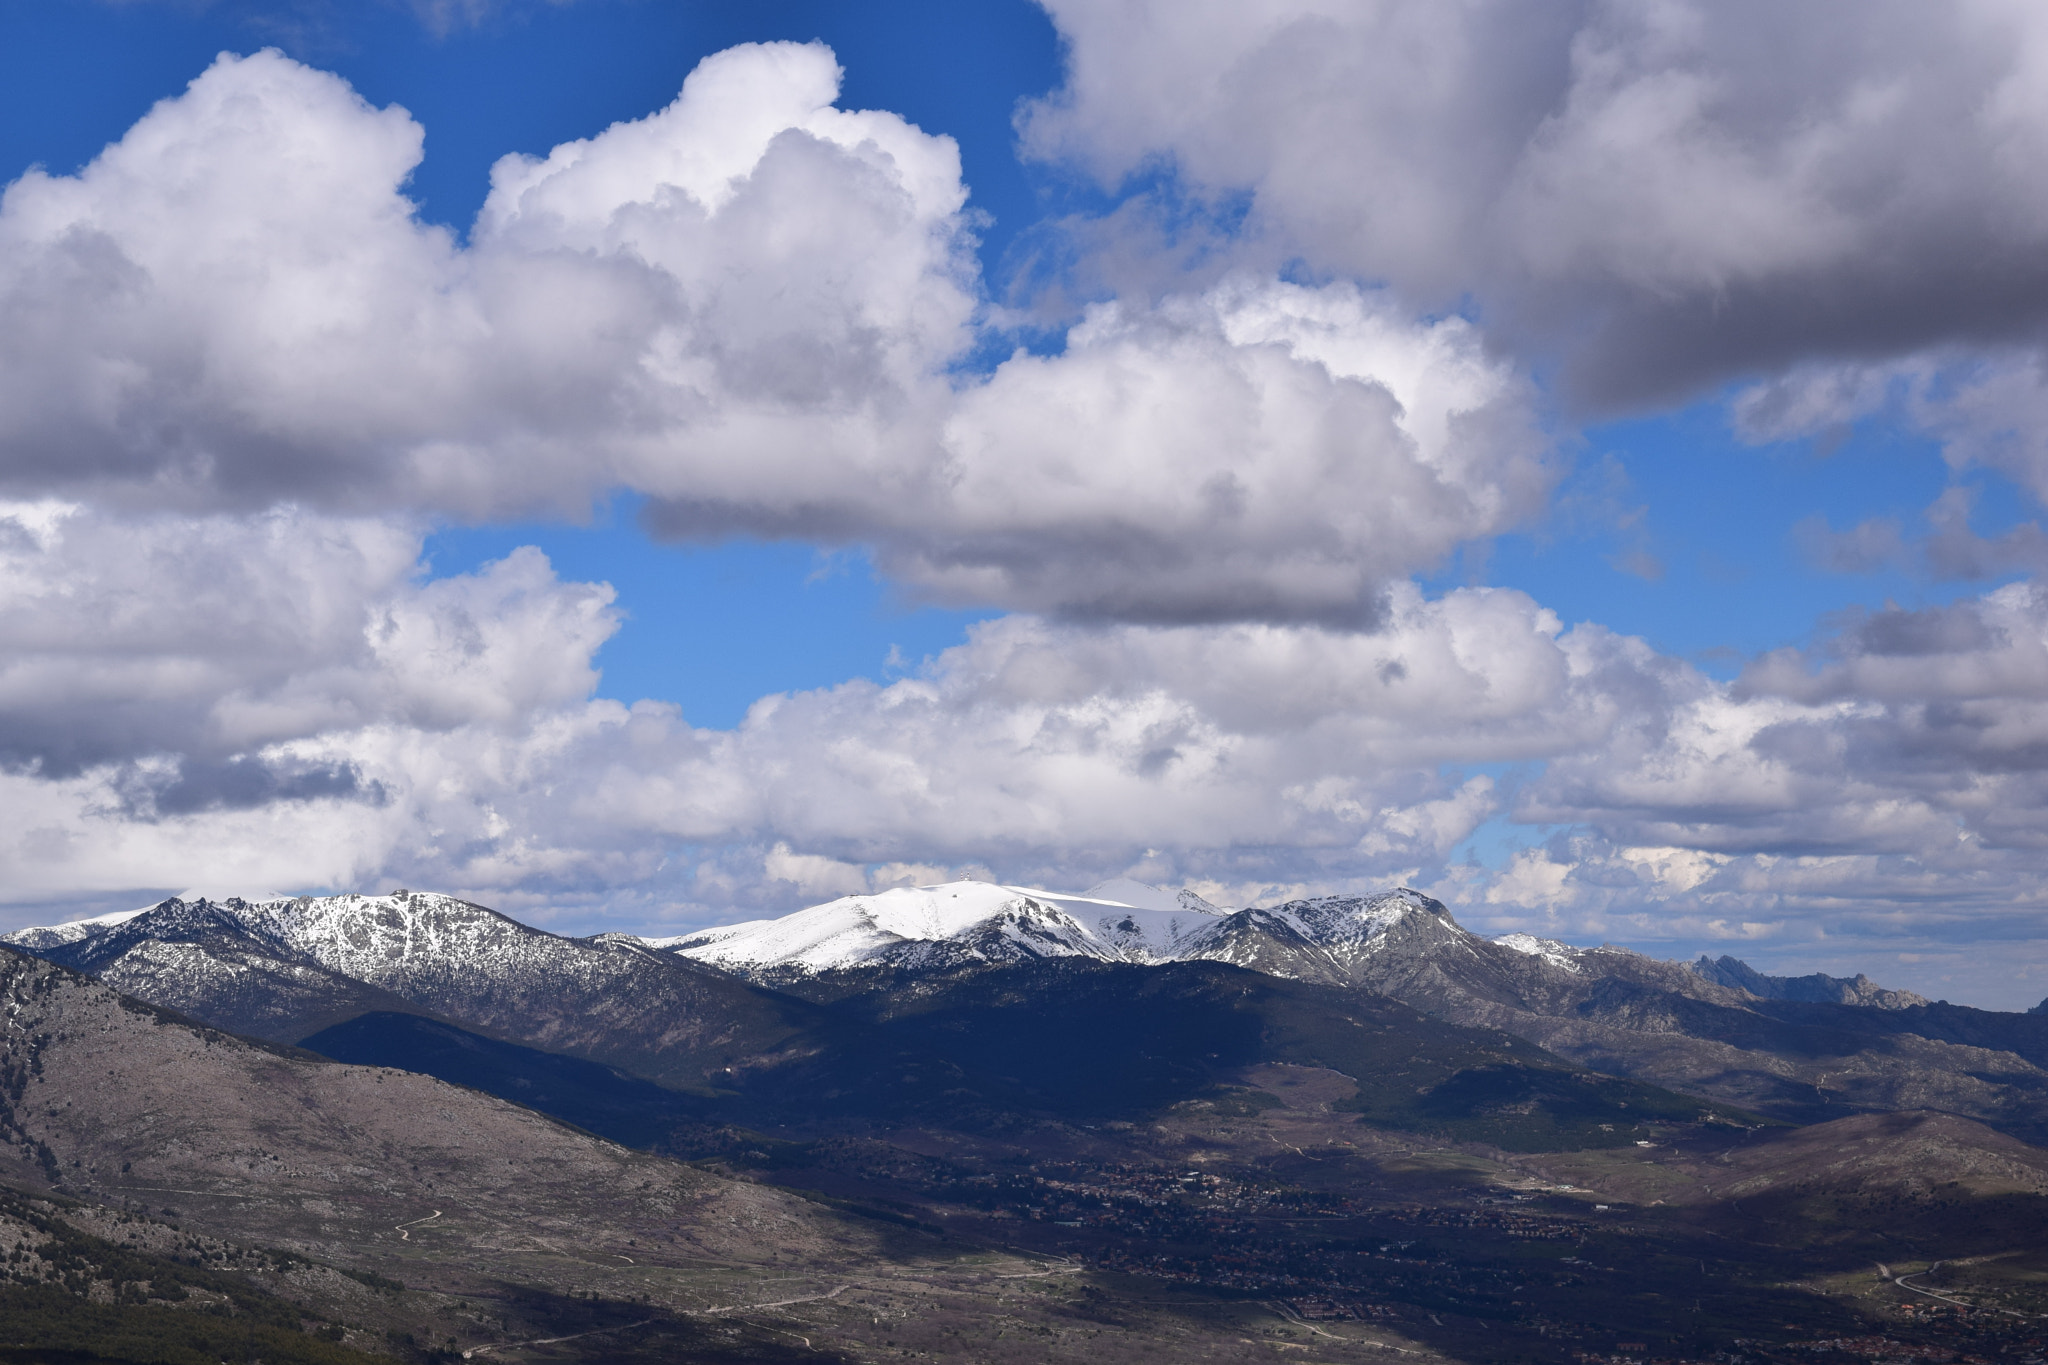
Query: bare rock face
1817, 988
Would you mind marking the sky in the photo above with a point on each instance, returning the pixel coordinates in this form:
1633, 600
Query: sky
647, 465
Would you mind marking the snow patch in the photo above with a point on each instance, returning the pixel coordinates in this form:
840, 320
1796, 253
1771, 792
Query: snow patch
71, 931
860, 930
982, 920
400, 940
1549, 949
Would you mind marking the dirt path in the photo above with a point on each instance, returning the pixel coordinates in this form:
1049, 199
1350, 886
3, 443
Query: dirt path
1291, 1316
475, 1351
406, 1236
779, 1303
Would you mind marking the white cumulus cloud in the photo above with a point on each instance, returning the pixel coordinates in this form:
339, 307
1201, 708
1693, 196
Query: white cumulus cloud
749, 306
285, 700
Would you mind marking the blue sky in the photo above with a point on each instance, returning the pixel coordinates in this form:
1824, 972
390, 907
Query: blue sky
1258, 467
1667, 526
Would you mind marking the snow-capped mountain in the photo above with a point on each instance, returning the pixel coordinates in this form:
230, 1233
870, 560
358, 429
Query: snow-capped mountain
955, 922
696, 1012
433, 949
1549, 949
58, 935
1710, 1026
1331, 939
209, 960
282, 969
1325, 939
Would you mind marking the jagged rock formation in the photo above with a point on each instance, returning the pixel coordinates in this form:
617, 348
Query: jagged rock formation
1818, 988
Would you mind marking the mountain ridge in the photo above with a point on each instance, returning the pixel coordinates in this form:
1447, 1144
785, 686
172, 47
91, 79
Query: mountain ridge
286, 968
704, 1011
946, 924
998, 926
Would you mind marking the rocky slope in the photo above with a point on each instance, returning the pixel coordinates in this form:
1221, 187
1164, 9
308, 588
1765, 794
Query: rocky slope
206, 961
1724, 1030
105, 1098
1817, 988
467, 1227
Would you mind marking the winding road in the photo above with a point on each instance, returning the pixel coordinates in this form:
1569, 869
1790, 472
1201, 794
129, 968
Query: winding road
1900, 1281
402, 1229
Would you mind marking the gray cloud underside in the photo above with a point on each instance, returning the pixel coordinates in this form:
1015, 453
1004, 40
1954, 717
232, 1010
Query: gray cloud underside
1656, 197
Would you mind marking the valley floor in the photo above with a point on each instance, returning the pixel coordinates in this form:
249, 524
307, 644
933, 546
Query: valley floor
1290, 1232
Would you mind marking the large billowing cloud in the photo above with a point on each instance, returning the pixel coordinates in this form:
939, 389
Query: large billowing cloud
277, 702
749, 306
239, 378
226, 674
1659, 195
284, 699
1888, 784
1263, 451
172, 654
1913, 734
236, 304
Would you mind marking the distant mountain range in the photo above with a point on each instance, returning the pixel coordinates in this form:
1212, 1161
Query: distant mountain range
283, 969
1098, 1159
1341, 1105
1326, 939
1801, 1048
760, 1021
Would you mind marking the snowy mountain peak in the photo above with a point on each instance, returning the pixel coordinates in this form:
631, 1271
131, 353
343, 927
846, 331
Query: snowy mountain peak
413, 936
381, 938
958, 921
1549, 949
73, 931
365, 937
974, 920
168, 921
1358, 920
1115, 921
